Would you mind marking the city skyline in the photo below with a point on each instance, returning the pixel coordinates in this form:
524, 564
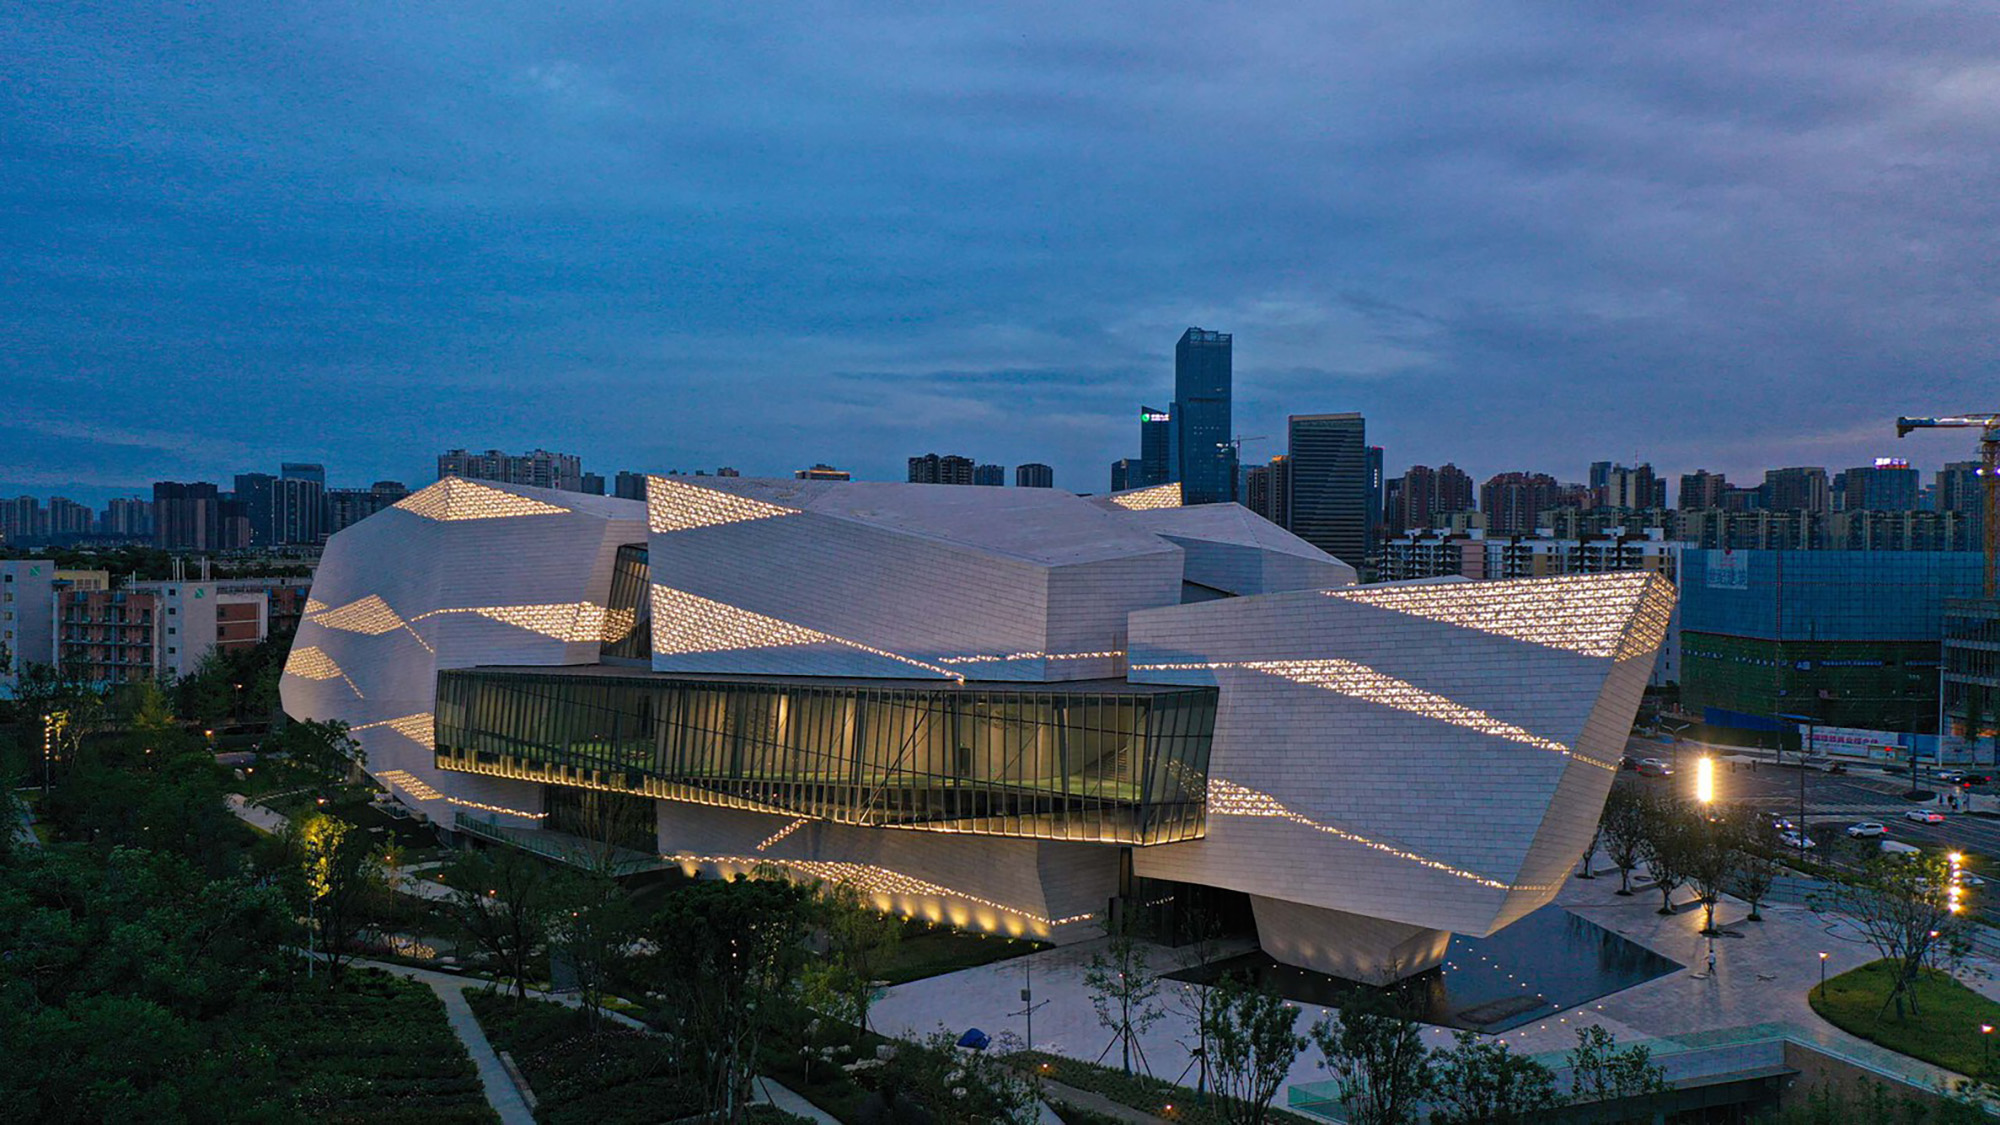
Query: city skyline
363, 239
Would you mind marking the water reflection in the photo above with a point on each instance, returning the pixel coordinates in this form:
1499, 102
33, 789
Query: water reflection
1549, 961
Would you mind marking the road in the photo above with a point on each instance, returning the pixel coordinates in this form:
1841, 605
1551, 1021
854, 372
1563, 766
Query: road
1834, 801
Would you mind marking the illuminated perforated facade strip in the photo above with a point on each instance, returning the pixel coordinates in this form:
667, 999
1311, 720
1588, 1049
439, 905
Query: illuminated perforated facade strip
1226, 798
1109, 654
417, 728
686, 624
1359, 681
781, 834
1141, 499
1650, 624
672, 505
314, 605
370, 615
455, 498
410, 783
1582, 613
422, 790
312, 663
573, 622
876, 882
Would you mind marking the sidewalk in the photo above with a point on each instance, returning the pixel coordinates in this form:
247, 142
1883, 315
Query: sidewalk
256, 816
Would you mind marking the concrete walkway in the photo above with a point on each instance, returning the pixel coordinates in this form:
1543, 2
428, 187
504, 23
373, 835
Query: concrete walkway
783, 1097
501, 1093
1762, 978
24, 825
256, 816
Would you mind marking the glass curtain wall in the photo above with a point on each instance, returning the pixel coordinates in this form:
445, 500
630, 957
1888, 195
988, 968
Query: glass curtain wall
1123, 764
629, 602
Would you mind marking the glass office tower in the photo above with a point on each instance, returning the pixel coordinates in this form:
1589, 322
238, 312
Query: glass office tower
1330, 484
1202, 381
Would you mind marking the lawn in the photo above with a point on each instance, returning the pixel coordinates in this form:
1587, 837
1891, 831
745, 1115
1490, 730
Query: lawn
927, 951
1141, 1092
612, 1075
1944, 1031
377, 1050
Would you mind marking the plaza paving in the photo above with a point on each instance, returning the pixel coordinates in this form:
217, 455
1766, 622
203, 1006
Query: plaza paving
1761, 978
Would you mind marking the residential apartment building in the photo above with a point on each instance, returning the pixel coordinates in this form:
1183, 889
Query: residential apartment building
1034, 475
948, 469
27, 592
538, 468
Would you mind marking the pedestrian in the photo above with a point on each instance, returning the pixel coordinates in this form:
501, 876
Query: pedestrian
1711, 961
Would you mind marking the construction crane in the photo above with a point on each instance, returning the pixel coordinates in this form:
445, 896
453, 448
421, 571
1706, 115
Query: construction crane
1989, 474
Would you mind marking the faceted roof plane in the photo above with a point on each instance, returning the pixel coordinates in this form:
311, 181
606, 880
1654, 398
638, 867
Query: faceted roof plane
1045, 526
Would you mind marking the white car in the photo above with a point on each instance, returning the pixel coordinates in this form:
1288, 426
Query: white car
1968, 879
1866, 829
1794, 840
1654, 767
1924, 816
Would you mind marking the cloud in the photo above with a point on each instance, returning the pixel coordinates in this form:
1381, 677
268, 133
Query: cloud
1516, 236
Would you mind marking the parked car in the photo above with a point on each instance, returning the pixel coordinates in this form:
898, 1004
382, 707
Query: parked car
1825, 765
1654, 767
1924, 816
1968, 879
1794, 840
1867, 829
1897, 847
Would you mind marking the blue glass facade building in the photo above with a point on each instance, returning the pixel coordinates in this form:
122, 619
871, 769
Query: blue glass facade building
1203, 378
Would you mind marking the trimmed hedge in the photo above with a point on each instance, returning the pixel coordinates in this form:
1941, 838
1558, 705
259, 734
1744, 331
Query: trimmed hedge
609, 1075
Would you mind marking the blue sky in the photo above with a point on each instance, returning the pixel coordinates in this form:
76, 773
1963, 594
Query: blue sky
681, 236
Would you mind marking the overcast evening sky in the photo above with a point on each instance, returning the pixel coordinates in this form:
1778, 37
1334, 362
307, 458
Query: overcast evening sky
762, 235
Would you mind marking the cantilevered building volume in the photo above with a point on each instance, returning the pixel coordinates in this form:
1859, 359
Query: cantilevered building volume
1002, 708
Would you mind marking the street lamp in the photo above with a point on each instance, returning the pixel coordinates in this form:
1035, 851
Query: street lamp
1704, 780
1808, 722
1822, 976
1986, 1037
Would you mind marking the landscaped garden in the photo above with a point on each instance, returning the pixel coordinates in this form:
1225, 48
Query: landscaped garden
378, 1049
1941, 1026
1139, 1091
584, 1071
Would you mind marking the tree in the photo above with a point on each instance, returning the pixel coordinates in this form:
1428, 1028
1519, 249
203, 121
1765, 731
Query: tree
1590, 852
1711, 852
1204, 945
343, 878
860, 938
504, 901
325, 749
1377, 1052
728, 953
1624, 831
1122, 988
1481, 1082
1907, 907
1756, 869
1600, 1072
1253, 1043
1665, 845
592, 931
956, 1086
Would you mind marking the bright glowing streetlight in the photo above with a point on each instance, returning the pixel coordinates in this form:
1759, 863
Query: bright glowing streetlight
1704, 779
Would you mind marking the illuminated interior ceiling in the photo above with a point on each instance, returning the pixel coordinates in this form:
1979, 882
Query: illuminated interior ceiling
1359, 681
312, 663
687, 624
1140, 499
455, 498
673, 505
1581, 613
1226, 798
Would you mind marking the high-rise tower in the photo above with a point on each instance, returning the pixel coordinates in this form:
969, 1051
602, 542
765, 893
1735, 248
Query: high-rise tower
1201, 417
